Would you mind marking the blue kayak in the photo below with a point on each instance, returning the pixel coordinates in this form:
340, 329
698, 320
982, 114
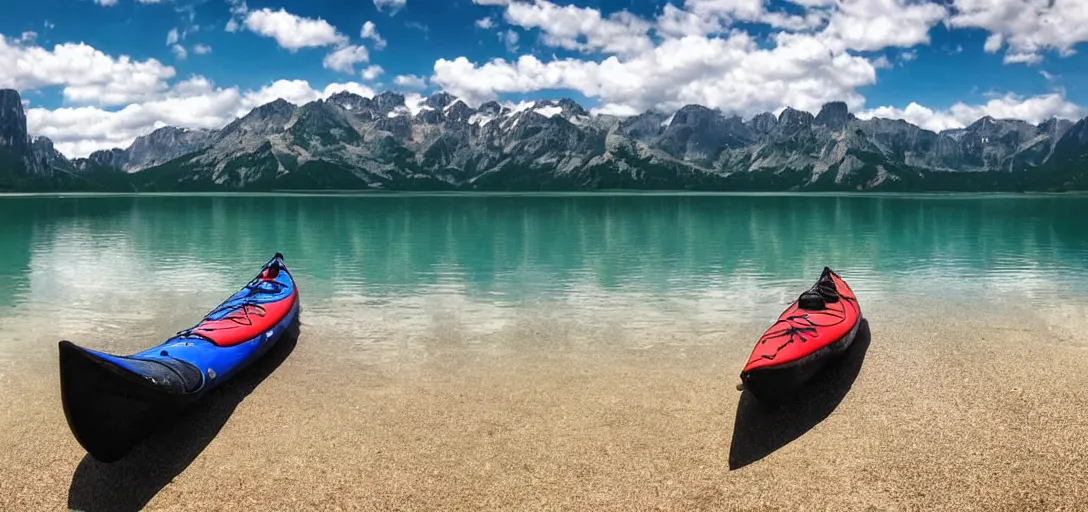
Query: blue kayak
112, 402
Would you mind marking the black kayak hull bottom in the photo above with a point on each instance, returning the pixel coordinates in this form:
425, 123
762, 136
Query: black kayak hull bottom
776, 384
108, 408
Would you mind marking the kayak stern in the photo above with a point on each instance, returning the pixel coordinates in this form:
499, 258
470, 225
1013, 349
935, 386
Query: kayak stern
111, 402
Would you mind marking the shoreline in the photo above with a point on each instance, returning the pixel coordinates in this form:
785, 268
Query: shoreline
975, 412
545, 193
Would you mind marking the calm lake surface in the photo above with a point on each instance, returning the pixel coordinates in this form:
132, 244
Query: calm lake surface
149, 266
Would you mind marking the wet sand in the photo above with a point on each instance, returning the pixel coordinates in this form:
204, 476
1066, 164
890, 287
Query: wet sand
980, 411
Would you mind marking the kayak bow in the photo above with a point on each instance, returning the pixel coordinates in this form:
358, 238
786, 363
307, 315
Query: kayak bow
112, 402
816, 328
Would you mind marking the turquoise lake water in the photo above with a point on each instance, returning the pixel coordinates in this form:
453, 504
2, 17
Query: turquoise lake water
118, 260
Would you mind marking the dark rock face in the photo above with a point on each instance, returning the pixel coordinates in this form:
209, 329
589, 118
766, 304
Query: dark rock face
33, 157
13, 136
833, 115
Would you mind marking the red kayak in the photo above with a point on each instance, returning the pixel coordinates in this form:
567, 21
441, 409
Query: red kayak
819, 326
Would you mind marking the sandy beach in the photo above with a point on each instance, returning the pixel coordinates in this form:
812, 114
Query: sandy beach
984, 411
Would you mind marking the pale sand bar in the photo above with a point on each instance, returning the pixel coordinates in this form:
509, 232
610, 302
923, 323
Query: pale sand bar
983, 411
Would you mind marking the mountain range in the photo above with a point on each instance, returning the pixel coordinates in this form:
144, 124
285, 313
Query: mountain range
350, 142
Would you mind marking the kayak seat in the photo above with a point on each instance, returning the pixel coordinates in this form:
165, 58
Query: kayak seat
820, 295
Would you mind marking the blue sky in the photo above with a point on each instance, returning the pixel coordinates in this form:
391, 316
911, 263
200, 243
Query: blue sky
118, 73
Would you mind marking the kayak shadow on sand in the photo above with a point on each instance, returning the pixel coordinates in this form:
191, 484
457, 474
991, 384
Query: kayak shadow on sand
128, 484
760, 430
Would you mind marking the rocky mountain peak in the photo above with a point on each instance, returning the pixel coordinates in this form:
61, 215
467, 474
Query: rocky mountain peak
439, 100
833, 115
571, 108
458, 111
351, 101
274, 108
388, 101
491, 108
792, 120
13, 135
1054, 127
764, 123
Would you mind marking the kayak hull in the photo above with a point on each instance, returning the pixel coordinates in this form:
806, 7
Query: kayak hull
772, 384
812, 333
111, 403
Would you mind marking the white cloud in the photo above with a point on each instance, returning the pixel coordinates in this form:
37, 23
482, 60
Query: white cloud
27, 37
238, 10
392, 5
676, 22
106, 3
1028, 27
201, 49
1035, 109
730, 11
369, 31
372, 72
485, 23
86, 74
509, 37
869, 25
293, 32
733, 73
193, 103
564, 26
411, 81
172, 36
701, 56
345, 58
179, 52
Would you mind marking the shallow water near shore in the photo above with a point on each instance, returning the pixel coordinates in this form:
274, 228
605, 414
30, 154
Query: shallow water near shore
563, 351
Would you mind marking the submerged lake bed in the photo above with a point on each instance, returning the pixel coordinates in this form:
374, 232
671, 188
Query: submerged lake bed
575, 351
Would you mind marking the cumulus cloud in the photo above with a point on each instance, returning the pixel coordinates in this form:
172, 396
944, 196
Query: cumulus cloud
179, 52
697, 52
411, 81
509, 38
565, 26
869, 25
753, 11
85, 74
192, 103
676, 22
393, 6
485, 23
345, 58
106, 3
238, 10
293, 32
201, 49
369, 31
1034, 109
733, 73
1027, 28
372, 72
